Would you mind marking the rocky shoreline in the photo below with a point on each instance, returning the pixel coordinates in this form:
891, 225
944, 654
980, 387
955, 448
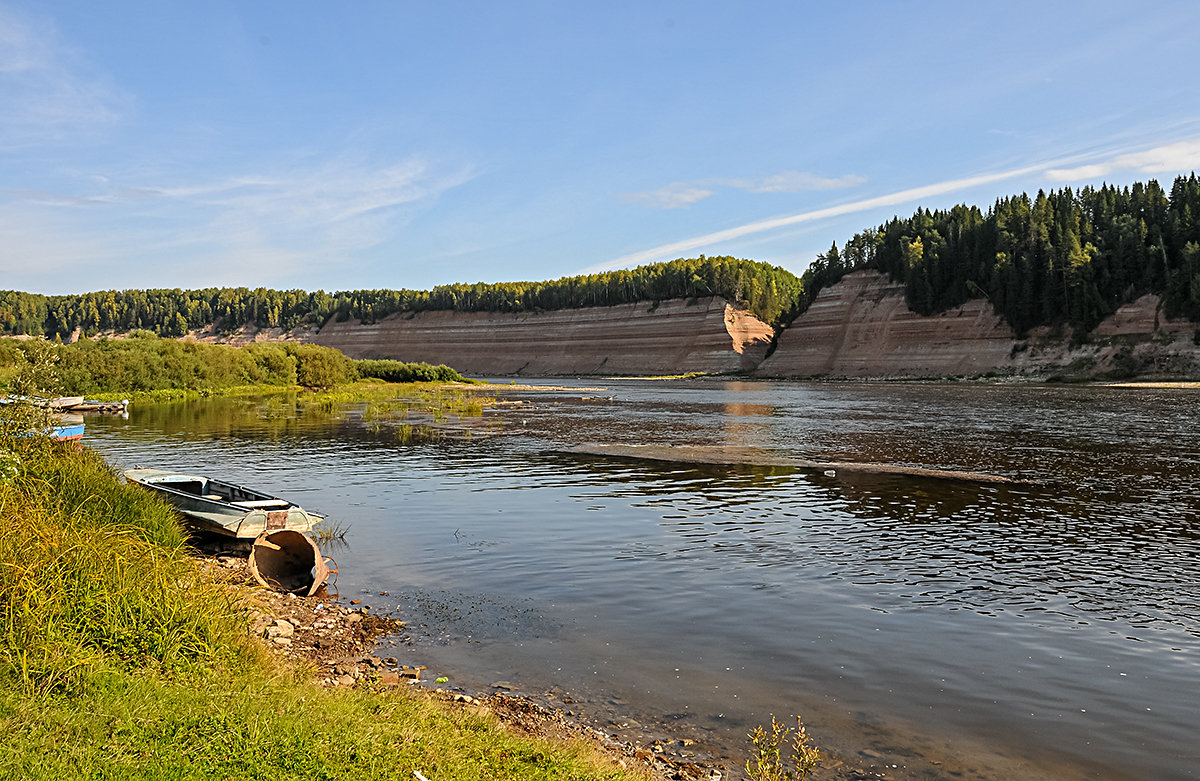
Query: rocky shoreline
336, 638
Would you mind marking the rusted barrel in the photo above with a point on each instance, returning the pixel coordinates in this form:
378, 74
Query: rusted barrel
288, 561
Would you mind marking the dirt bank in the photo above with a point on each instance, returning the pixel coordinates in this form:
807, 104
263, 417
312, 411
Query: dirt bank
335, 637
862, 328
670, 337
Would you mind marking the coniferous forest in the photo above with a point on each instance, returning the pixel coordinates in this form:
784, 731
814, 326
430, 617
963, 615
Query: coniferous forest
1060, 258
1067, 258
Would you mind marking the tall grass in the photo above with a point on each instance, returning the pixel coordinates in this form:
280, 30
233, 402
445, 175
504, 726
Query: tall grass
94, 575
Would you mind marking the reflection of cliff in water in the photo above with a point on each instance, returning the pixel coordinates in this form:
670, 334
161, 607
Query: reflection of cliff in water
980, 547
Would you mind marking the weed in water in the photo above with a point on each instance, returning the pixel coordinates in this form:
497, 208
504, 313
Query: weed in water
767, 762
327, 531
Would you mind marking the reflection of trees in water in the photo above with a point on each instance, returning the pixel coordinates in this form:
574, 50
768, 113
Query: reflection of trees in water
404, 420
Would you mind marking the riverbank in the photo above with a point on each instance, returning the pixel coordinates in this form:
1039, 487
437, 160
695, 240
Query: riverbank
334, 639
122, 656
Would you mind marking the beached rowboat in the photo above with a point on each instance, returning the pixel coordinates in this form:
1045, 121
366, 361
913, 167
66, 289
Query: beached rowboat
224, 508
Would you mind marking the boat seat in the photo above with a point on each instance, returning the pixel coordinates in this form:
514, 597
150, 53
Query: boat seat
260, 503
214, 497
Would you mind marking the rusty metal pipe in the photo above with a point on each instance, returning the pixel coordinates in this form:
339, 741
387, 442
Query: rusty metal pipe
288, 561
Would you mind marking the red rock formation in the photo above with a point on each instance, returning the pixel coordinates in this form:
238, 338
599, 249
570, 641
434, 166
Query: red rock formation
672, 337
862, 327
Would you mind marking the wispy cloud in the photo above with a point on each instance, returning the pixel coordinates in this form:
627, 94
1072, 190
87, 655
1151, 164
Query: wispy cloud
794, 182
680, 194
1176, 157
241, 229
48, 92
672, 250
673, 196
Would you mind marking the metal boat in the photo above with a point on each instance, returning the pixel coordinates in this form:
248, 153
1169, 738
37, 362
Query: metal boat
66, 427
224, 508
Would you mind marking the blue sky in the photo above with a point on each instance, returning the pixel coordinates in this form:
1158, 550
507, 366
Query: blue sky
387, 144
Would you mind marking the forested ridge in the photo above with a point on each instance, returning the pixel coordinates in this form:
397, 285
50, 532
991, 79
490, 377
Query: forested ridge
1066, 257
770, 292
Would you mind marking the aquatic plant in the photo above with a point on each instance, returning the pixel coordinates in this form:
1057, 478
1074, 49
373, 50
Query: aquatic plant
767, 762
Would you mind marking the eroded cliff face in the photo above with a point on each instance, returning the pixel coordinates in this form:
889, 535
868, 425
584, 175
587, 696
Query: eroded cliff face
862, 327
672, 337
859, 328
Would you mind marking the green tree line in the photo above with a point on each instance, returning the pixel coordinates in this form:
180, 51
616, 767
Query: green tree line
1066, 257
768, 291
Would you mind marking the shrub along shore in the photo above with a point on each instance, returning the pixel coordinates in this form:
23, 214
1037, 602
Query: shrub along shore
121, 658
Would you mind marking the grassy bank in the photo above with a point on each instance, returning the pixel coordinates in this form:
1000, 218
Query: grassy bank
119, 658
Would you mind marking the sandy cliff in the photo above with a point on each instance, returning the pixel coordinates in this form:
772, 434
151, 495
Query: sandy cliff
672, 337
861, 327
858, 328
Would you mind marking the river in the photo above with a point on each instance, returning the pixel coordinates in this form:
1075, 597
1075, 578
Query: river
1043, 629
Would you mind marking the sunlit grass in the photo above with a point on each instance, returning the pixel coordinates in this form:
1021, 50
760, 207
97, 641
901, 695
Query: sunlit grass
94, 574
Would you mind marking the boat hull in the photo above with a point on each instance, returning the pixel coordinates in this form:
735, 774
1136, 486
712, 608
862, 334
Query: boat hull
222, 508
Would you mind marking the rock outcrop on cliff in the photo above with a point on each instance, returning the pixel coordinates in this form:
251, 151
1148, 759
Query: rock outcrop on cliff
671, 337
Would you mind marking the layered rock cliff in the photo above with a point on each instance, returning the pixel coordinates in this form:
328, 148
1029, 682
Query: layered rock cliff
862, 327
671, 337
859, 328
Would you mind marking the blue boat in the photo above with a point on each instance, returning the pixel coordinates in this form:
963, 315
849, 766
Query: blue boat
67, 428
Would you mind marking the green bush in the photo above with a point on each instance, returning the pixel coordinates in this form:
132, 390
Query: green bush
398, 371
321, 367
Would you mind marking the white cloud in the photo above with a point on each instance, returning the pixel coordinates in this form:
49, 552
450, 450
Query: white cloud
673, 196
163, 230
795, 181
1178, 157
680, 194
49, 94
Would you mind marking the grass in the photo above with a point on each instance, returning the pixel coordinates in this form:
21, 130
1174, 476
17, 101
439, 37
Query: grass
247, 726
119, 658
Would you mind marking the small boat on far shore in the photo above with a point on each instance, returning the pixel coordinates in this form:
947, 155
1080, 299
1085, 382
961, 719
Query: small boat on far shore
224, 508
80, 404
67, 427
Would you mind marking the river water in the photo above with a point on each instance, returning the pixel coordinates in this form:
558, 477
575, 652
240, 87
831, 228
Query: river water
923, 628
